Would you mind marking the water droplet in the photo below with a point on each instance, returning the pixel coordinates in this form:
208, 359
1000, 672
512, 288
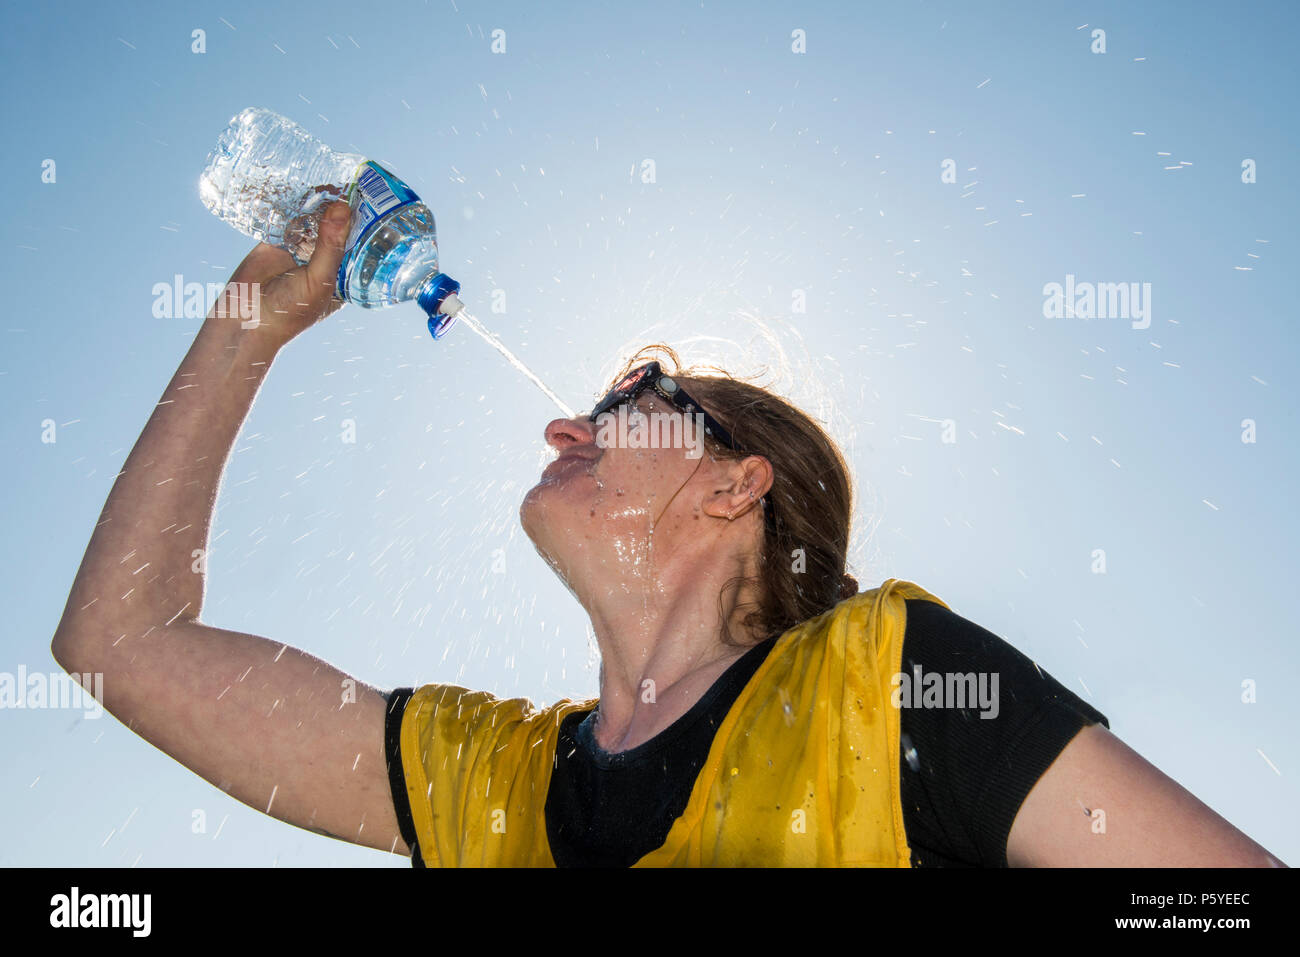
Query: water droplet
909, 752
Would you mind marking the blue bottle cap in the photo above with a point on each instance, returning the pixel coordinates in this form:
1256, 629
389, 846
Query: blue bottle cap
432, 294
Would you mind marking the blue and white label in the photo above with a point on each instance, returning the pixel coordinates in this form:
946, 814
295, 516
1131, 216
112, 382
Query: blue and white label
374, 194
376, 191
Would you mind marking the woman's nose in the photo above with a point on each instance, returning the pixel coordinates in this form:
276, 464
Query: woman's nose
562, 433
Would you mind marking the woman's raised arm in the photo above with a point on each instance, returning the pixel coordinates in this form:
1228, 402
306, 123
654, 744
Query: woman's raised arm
278, 729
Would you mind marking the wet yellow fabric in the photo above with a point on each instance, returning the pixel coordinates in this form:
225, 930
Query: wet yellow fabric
803, 771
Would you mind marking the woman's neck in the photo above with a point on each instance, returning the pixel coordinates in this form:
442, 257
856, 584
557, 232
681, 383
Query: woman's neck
661, 649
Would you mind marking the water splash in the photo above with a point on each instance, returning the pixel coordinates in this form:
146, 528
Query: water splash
491, 339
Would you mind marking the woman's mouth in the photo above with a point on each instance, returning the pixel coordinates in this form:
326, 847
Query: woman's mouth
565, 464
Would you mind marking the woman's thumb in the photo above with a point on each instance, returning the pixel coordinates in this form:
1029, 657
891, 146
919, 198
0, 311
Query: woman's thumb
331, 233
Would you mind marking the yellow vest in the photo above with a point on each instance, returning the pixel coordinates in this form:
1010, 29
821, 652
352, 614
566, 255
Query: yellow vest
802, 772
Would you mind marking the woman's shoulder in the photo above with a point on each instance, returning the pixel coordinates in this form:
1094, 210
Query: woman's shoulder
467, 709
877, 614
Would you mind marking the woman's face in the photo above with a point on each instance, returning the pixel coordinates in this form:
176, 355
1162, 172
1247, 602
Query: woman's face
592, 513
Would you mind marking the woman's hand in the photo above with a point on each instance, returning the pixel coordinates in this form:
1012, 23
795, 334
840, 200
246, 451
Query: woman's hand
269, 293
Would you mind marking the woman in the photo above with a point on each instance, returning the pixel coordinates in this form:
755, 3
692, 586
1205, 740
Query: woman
753, 709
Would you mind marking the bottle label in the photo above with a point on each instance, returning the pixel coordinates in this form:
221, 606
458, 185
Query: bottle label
373, 194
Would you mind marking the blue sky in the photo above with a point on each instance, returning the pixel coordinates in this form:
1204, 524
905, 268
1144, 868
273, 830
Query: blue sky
777, 175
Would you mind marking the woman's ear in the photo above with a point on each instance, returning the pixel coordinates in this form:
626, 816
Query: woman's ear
738, 488
763, 475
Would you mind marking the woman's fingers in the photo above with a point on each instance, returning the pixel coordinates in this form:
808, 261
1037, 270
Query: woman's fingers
288, 298
323, 268
263, 264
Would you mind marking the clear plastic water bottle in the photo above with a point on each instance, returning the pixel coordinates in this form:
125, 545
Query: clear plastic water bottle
270, 179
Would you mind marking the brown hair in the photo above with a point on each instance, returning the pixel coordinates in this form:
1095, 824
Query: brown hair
811, 493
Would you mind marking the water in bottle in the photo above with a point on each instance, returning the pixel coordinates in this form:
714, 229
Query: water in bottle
270, 178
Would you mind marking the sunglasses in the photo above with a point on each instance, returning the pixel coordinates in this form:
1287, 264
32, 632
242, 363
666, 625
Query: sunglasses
651, 376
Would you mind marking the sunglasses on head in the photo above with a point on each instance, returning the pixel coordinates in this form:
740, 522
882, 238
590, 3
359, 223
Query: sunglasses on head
651, 376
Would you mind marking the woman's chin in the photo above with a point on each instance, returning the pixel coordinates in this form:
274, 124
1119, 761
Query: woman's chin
529, 511
538, 511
